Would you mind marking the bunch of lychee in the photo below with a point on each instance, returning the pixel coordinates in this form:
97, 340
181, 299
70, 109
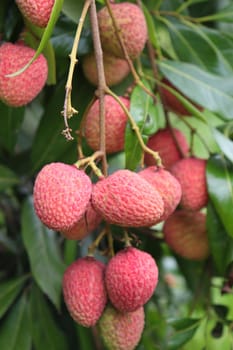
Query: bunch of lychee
131, 25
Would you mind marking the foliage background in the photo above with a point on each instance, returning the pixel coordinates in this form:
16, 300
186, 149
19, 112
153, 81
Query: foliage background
194, 43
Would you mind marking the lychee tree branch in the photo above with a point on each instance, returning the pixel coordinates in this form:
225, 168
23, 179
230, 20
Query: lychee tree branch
68, 110
90, 161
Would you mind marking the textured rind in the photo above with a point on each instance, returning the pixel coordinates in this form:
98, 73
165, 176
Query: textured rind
126, 199
121, 331
21, 89
185, 232
36, 11
167, 185
89, 222
84, 290
115, 123
191, 174
172, 103
61, 195
132, 24
131, 278
164, 143
115, 69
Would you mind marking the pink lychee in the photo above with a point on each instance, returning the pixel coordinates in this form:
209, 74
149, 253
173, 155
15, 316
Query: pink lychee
61, 195
84, 290
124, 198
36, 11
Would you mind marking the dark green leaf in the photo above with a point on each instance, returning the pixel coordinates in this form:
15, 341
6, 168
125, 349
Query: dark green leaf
221, 245
47, 268
7, 178
185, 329
9, 291
220, 188
73, 9
224, 144
85, 338
224, 15
14, 332
184, 323
46, 334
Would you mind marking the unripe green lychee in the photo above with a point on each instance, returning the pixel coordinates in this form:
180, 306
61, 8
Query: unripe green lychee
36, 11
19, 90
185, 232
131, 278
84, 291
164, 143
167, 185
132, 25
191, 174
115, 124
126, 199
121, 331
115, 69
61, 195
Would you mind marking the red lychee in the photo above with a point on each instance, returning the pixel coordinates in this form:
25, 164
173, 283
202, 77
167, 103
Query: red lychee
132, 25
167, 185
36, 11
172, 103
126, 199
191, 174
115, 124
21, 89
185, 232
164, 143
84, 291
115, 69
61, 195
121, 331
131, 277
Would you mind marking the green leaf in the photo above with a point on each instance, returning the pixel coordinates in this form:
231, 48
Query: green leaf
208, 90
7, 178
144, 114
185, 330
224, 15
9, 291
40, 243
10, 125
221, 245
73, 9
220, 188
224, 143
14, 332
46, 333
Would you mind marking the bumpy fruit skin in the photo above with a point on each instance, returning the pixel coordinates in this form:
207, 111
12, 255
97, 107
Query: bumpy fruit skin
185, 232
172, 103
132, 24
21, 89
36, 11
191, 174
61, 195
121, 331
115, 69
84, 291
131, 278
89, 222
115, 124
167, 185
164, 143
126, 199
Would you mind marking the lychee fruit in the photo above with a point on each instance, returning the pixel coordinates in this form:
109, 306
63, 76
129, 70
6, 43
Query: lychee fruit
163, 142
130, 278
132, 25
191, 174
21, 89
61, 195
84, 290
166, 184
115, 69
36, 11
126, 199
121, 331
88, 223
115, 124
185, 233
171, 101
